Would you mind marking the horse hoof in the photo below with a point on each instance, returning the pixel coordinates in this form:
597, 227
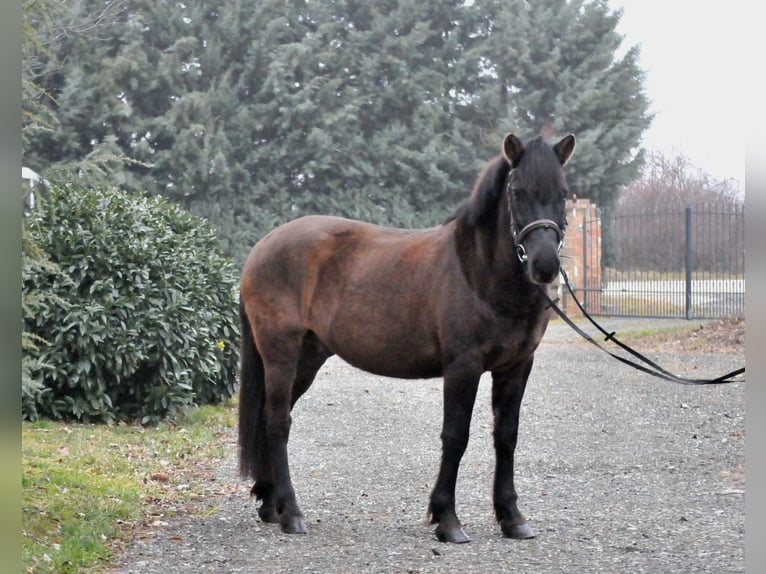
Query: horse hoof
268, 515
518, 531
294, 525
454, 535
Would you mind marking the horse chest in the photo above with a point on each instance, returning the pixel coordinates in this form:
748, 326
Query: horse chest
509, 342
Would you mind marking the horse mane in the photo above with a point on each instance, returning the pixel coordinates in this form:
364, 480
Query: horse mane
481, 205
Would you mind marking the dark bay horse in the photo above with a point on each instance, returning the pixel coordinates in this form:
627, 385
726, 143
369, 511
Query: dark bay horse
453, 301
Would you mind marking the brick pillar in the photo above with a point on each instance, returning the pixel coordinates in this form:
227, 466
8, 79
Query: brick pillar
582, 267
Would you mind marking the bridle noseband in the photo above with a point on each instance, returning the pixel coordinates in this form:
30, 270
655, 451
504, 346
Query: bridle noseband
519, 236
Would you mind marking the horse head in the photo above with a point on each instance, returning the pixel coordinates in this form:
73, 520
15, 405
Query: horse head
535, 194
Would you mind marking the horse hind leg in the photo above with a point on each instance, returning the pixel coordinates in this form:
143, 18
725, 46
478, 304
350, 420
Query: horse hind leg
288, 375
313, 355
254, 454
279, 381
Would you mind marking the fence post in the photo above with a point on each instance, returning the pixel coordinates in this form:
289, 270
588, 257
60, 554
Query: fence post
688, 262
585, 260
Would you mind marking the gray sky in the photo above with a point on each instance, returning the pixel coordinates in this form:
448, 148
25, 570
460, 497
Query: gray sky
693, 54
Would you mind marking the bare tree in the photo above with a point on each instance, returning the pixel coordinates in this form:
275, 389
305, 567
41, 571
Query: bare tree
675, 183
650, 219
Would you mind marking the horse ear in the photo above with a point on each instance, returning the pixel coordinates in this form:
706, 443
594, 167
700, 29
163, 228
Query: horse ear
565, 148
512, 149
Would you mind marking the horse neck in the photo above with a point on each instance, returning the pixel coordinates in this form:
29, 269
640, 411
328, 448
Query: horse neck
488, 258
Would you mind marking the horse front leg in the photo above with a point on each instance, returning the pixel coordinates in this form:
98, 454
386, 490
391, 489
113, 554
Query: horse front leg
460, 388
507, 392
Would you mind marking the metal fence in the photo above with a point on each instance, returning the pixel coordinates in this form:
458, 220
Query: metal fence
688, 263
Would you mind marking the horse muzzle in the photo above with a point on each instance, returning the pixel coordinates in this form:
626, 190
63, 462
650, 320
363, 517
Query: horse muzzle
541, 256
543, 269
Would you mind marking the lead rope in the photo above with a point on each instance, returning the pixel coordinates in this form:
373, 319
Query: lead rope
653, 368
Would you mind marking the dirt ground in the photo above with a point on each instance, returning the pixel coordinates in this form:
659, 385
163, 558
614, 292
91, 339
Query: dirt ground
616, 471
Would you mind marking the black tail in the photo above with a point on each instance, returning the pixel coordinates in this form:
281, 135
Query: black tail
251, 399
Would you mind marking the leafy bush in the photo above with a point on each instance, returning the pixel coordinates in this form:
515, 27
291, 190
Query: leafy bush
136, 316
34, 261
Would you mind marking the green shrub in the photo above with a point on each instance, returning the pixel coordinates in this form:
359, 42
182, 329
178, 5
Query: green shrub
136, 318
33, 261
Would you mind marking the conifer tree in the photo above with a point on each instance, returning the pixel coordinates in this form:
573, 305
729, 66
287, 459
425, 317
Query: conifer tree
252, 113
566, 76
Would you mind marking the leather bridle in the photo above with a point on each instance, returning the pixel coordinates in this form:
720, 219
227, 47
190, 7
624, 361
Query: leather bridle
520, 235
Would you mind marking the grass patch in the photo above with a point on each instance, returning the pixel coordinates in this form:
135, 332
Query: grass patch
639, 306
633, 334
720, 336
726, 335
667, 330
87, 487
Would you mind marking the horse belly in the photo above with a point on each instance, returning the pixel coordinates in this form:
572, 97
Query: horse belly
382, 343
390, 363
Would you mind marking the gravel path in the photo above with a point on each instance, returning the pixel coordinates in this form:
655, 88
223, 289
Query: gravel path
616, 471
